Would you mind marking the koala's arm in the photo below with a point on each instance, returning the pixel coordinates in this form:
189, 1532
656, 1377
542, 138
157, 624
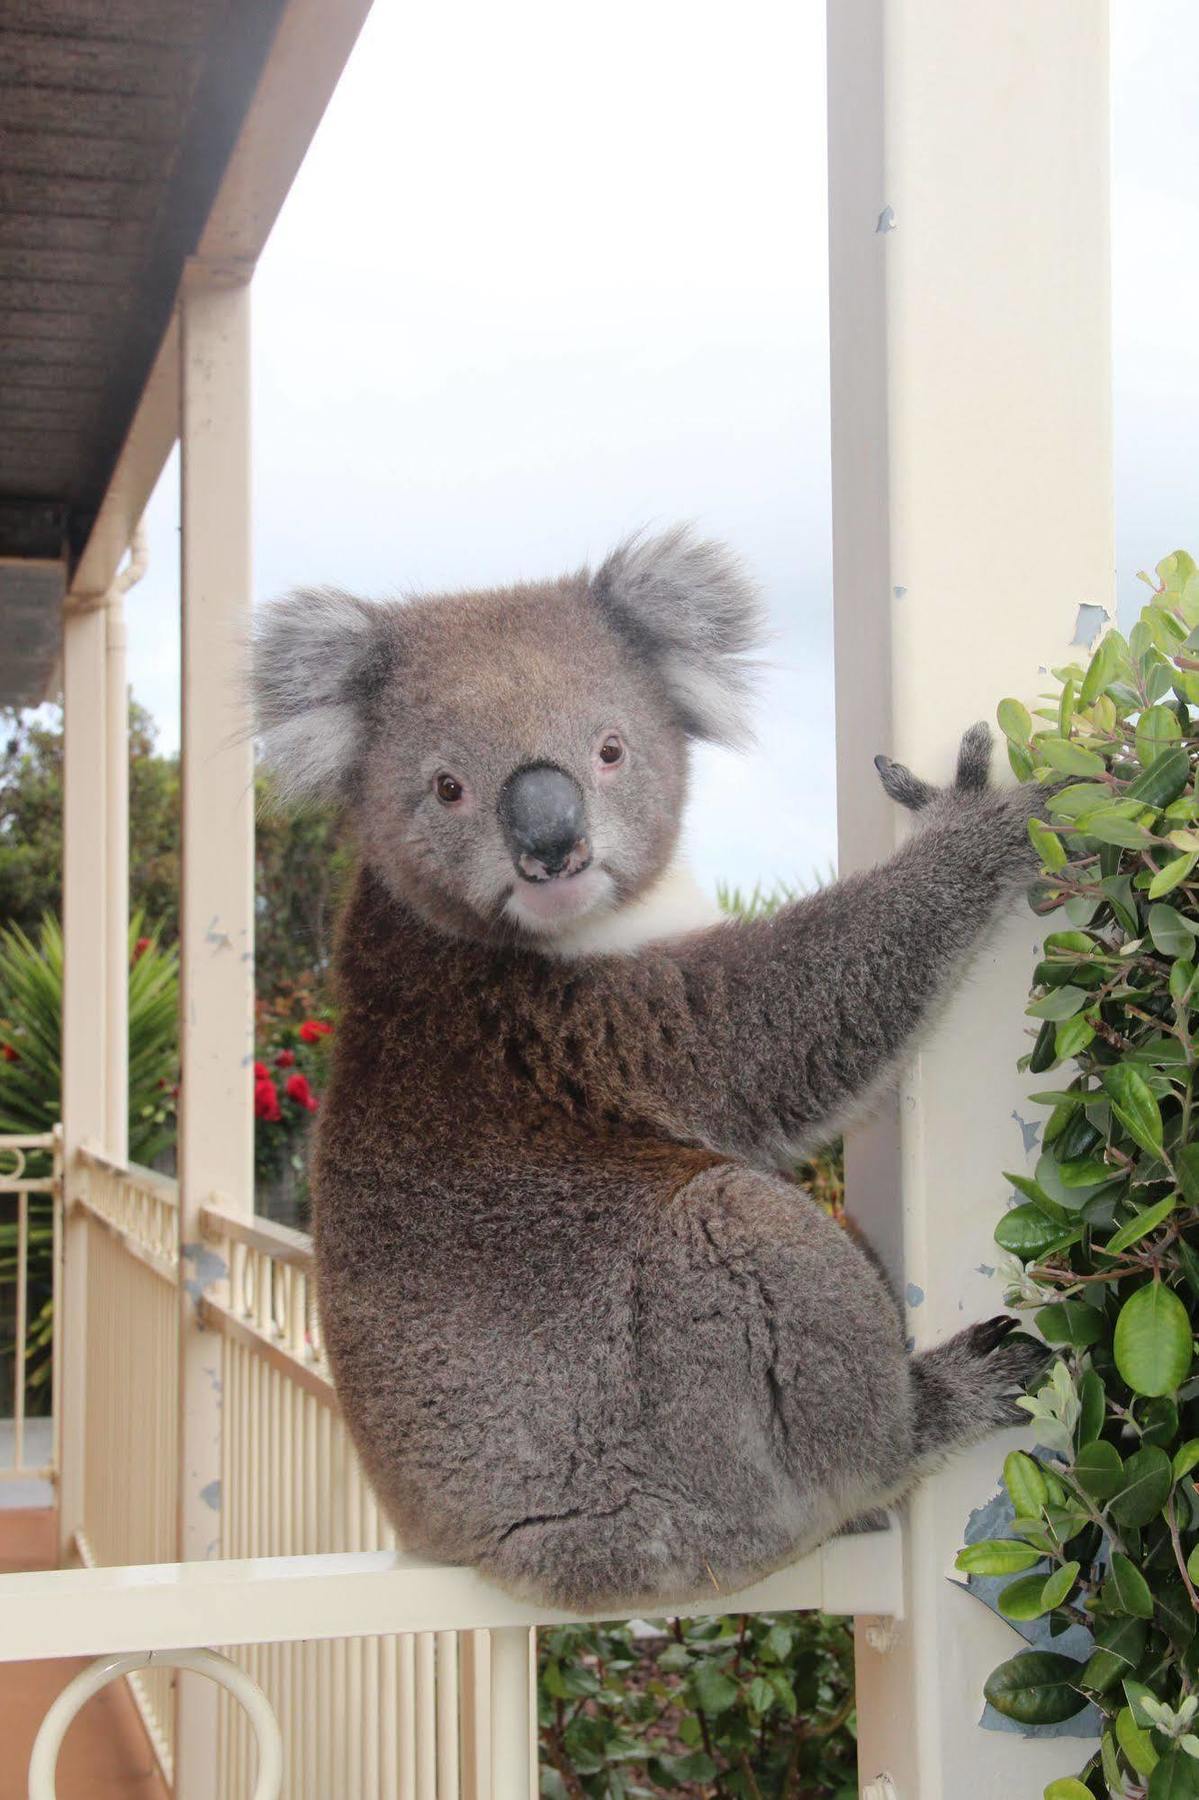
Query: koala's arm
768, 1031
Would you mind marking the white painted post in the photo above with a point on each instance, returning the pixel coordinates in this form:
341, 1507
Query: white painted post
972, 515
216, 1127
116, 877
84, 1040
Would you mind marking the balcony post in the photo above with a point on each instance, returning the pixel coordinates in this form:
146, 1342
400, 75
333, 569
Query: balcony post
84, 1038
972, 517
116, 878
216, 1127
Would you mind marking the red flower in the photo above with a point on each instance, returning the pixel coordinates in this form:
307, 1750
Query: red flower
312, 1030
285, 1059
266, 1101
299, 1091
9, 1054
140, 948
261, 1072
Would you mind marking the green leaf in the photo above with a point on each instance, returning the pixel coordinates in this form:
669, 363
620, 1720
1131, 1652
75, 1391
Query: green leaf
1026, 1232
1111, 656
1016, 723
1093, 1404
1186, 1162
1186, 1458
1025, 1484
1070, 758
1148, 1478
1140, 1227
1169, 875
712, 1690
996, 1556
1126, 1589
1162, 781
1024, 1599
1119, 895
1133, 1102
1172, 934
1157, 730
1038, 1687
675, 1771
1067, 1788
1059, 1003
1070, 1322
1047, 844
1099, 1469
1176, 1777
1076, 801
1111, 825
1153, 1340
1071, 1036
1135, 1742
1060, 1585
1119, 1646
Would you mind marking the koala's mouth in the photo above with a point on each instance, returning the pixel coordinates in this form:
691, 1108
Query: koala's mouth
547, 902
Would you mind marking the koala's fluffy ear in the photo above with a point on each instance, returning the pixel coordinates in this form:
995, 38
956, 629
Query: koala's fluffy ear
687, 606
319, 658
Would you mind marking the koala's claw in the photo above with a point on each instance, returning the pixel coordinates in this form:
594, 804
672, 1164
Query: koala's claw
985, 1337
902, 785
972, 776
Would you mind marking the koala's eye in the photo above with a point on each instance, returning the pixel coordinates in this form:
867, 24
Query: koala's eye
448, 791
611, 751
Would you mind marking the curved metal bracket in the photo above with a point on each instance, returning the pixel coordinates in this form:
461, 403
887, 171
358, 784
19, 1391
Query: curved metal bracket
89, 1681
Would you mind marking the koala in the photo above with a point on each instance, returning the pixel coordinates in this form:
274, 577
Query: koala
586, 1333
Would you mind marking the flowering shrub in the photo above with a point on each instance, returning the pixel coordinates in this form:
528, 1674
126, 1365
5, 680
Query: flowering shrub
1104, 1243
289, 1077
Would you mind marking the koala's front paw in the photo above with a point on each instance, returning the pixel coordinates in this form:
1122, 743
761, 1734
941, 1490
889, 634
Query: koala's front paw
972, 776
996, 817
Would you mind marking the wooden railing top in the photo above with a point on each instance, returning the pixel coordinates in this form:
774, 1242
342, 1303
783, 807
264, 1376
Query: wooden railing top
93, 1156
277, 1241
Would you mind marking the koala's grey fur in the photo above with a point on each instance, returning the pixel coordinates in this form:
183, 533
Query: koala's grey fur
584, 1334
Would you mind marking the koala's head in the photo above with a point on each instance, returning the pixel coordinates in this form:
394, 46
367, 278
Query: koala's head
517, 759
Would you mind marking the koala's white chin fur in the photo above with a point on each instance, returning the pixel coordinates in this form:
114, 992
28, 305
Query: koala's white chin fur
673, 906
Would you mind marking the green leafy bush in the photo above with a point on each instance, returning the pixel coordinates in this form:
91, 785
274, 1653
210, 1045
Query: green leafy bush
760, 1707
31, 1097
1103, 1245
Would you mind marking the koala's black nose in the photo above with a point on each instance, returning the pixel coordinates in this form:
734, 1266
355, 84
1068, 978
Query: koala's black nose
541, 811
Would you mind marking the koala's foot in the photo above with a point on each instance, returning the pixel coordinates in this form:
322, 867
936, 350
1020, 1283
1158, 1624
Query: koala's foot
967, 1388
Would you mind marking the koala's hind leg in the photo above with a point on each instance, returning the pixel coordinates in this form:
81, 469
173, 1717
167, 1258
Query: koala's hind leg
967, 1388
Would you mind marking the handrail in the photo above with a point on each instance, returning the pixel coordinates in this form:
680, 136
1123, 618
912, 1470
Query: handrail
92, 1156
374, 1593
281, 1242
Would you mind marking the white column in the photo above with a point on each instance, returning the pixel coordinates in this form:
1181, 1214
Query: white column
84, 1040
216, 1127
972, 515
116, 922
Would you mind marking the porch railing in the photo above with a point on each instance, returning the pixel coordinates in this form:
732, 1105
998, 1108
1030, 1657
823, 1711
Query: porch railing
390, 1678
18, 1226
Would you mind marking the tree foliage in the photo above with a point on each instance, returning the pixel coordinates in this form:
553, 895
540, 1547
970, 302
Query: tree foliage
754, 1706
303, 855
1103, 1245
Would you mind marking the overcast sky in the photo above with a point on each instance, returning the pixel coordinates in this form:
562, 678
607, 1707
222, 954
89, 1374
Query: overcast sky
548, 275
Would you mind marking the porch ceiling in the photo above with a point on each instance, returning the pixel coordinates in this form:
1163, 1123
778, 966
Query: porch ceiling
120, 119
